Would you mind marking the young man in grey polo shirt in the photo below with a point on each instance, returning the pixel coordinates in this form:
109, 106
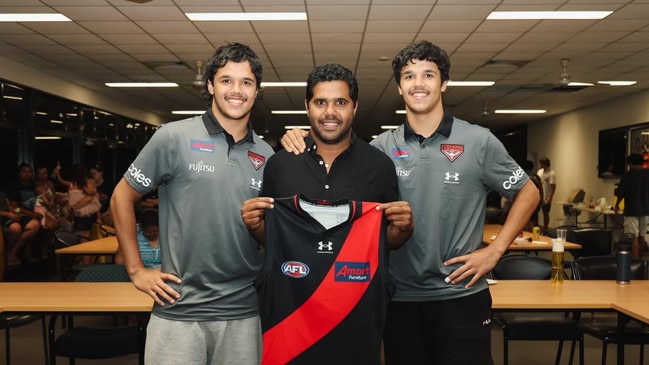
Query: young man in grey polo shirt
204, 167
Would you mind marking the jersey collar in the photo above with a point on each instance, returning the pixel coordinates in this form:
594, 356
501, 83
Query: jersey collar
444, 127
214, 127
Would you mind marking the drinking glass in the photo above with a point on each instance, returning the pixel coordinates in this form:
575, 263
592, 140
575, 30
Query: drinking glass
557, 260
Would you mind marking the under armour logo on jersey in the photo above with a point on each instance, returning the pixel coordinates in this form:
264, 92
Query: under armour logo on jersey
255, 184
452, 178
451, 151
325, 247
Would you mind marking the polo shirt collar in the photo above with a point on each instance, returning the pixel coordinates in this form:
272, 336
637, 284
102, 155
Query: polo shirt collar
444, 127
214, 127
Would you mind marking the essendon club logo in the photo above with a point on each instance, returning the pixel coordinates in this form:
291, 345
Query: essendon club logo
451, 151
256, 159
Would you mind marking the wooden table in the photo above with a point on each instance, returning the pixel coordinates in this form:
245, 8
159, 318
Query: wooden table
543, 244
585, 295
76, 297
73, 297
102, 246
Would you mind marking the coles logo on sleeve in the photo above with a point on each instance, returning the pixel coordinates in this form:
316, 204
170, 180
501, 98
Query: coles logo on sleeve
295, 269
352, 271
138, 176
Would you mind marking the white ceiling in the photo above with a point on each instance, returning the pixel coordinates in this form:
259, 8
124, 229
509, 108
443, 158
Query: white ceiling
120, 40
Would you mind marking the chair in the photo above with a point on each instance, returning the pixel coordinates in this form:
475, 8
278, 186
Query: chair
107, 230
9, 321
604, 326
97, 342
571, 213
535, 326
594, 241
66, 238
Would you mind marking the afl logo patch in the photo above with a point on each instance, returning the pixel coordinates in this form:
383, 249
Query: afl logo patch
295, 269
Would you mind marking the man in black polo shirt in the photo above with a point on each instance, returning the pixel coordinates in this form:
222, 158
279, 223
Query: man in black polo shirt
337, 166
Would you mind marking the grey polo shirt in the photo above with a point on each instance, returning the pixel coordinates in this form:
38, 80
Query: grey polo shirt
203, 177
445, 178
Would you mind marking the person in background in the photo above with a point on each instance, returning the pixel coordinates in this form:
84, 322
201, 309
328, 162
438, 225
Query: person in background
549, 180
205, 304
148, 200
338, 166
148, 232
45, 203
528, 166
441, 311
105, 190
21, 223
634, 189
83, 199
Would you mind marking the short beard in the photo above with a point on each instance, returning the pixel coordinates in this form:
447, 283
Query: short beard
344, 134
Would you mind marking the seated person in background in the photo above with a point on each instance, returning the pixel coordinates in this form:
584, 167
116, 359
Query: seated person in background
148, 200
148, 231
45, 202
83, 200
20, 223
105, 191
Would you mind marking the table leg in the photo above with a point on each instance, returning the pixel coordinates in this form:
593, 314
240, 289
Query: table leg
622, 319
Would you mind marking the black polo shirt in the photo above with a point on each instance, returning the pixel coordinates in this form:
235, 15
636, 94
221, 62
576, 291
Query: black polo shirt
361, 172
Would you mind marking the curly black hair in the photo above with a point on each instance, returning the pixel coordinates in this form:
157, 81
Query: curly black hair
234, 52
422, 50
332, 72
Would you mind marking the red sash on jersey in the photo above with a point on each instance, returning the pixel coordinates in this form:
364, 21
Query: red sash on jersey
332, 301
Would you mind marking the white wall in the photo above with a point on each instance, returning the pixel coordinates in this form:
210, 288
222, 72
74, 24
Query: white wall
570, 141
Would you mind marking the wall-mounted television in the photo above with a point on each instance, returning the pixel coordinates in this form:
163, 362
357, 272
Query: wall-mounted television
613, 147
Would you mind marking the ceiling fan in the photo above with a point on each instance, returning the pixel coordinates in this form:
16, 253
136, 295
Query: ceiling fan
566, 81
563, 84
199, 79
485, 109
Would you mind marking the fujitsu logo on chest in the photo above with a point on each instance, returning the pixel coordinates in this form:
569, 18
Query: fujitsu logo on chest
200, 166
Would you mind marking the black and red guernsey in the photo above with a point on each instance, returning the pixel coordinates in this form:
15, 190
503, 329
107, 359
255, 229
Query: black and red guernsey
324, 291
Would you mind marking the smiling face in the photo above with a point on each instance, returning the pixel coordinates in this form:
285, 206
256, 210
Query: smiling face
331, 112
421, 86
234, 90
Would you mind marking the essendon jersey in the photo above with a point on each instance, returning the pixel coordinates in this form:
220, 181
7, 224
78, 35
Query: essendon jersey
325, 290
